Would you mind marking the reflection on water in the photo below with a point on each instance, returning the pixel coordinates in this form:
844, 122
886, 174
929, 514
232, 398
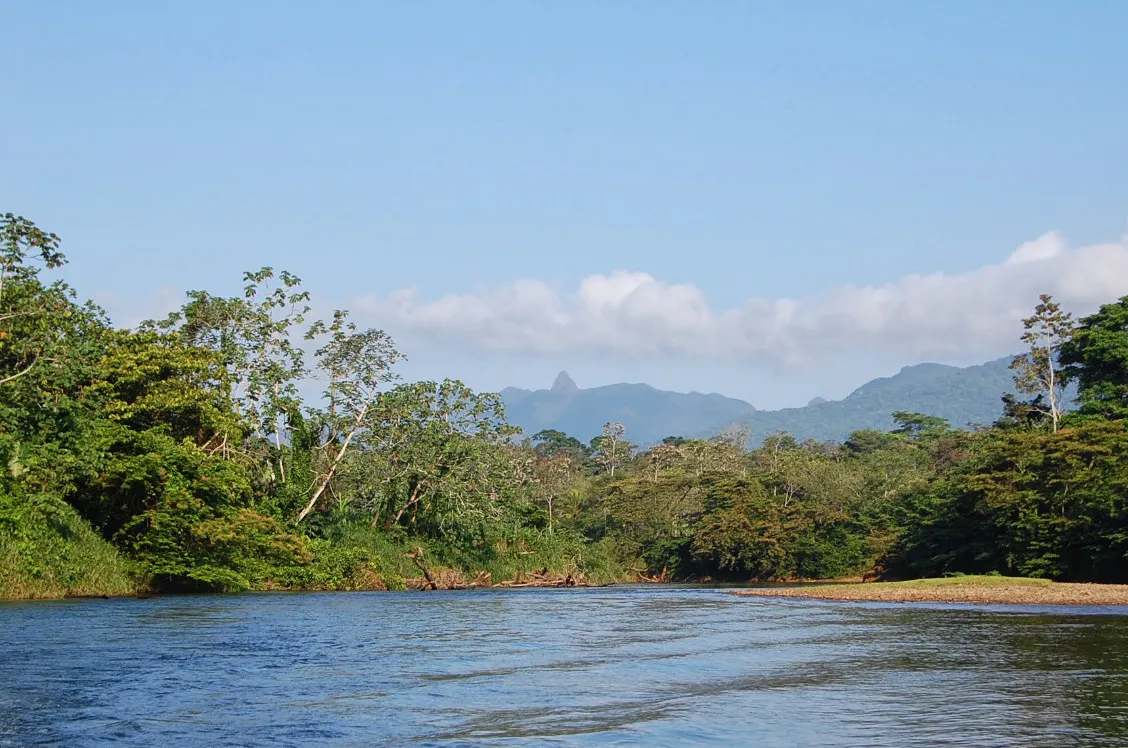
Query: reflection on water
641, 666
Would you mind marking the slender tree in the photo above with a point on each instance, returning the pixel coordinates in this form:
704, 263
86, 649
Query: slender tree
1036, 371
356, 363
610, 445
253, 336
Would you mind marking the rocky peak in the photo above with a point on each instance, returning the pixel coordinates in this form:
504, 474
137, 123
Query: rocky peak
564, 384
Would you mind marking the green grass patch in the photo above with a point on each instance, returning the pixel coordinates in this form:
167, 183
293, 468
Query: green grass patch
975, 580
970, 580
48, 551
502, 556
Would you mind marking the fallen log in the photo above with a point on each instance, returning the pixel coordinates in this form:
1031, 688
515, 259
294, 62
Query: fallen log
484, 579
657, 579
450, 579
417, 557
548, 581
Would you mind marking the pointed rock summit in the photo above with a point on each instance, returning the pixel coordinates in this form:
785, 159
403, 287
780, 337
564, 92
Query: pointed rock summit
564, 384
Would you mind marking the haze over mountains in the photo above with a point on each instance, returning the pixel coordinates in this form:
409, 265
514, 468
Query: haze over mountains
967, 395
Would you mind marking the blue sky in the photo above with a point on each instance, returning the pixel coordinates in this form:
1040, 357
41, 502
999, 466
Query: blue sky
810, 157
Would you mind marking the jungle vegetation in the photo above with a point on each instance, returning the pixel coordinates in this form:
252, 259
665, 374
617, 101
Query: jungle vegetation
181, 455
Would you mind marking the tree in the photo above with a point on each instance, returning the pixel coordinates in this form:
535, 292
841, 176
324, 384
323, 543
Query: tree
555, 475
1018, 413
868, 441
1030, 503
745, 533
26, 307
918, 426
662, 457
432, 454
1036, 372
1096, 358
735, 436
612, 449
357, 364
253, 336
550, 442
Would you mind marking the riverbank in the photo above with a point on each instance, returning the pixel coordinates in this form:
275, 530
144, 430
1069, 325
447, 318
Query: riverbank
48, 552
92, 568
983, 590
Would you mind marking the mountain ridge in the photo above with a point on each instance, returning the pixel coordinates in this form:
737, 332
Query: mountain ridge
963, 395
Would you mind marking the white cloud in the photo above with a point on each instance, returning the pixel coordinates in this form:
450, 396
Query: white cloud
633, 313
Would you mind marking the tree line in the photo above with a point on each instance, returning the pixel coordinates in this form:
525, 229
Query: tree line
181, 455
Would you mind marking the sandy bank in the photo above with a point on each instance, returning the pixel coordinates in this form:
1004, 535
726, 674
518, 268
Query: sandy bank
981, 590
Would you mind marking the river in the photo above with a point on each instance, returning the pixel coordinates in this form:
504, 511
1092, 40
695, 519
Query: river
646, 665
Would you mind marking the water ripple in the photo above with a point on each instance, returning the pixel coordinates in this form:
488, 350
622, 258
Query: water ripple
630, 666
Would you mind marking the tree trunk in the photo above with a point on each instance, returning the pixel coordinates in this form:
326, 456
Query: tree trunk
278, 441
417, 557
336, 461
1053, 388
410, 502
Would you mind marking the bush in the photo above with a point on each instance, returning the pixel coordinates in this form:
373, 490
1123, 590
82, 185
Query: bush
48, 551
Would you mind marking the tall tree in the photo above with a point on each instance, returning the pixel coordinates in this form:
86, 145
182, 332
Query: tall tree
1036, 372
357, 363
432, 454
26, 330
918, 426
554, 476
254, 338
611, 446
547, 442
1096, 357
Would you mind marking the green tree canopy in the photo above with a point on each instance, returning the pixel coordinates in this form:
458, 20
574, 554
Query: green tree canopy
1096, 358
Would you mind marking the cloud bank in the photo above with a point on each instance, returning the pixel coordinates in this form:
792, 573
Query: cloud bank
635, 314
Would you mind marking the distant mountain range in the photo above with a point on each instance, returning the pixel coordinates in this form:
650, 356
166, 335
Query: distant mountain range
969, 395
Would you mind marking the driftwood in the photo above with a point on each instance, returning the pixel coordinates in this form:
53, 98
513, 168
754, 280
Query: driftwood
544, 579
659, 579
417, 557
876, 574
449, 579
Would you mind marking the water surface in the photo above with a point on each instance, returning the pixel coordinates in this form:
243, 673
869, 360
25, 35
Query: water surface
641, 665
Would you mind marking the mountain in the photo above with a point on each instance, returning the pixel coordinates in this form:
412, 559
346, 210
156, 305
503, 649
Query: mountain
964, 396
649, 414
967, 395
564, 384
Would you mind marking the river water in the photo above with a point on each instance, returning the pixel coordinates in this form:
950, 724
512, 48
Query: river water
643, 665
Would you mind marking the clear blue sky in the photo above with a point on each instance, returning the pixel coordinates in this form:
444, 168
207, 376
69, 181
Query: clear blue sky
756, 149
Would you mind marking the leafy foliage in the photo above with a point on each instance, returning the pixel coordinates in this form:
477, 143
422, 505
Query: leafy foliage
1036, 372
1096, 358
180, 456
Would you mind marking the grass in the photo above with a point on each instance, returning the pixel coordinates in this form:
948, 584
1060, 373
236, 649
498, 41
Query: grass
503, 557
975, 580
986, 589
47, 551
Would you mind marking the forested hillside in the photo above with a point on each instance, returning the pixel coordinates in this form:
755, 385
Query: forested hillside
180, 456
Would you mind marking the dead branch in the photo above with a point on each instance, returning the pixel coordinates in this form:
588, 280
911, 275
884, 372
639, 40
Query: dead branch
417, 557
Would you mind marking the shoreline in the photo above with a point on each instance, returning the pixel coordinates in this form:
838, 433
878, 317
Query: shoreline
442, 580
977, 590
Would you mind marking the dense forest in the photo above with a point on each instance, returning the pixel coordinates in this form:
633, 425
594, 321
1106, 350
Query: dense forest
181, 456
